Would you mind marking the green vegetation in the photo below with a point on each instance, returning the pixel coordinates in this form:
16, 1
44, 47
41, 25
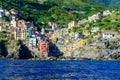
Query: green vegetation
107, 44
4, 35
109, 22
58, 11
17, 43
77, 29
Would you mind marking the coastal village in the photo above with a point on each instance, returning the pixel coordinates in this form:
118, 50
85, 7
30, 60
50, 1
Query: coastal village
76, 41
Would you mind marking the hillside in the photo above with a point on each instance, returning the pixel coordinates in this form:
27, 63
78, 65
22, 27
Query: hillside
60, 11
110, 22
111, 3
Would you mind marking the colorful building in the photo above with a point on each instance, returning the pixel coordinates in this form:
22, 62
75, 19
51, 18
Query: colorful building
33, 42
13, 12
42, 31
53, 36
109, 35
0, 28
71, 25
20, 34
7, 13
83, 42
20, 30
2, 12
21, 23
106, 13
30, 32
43, 46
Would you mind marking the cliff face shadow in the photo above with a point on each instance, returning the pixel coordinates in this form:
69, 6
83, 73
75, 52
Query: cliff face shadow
24, 52
3, 49
54, 51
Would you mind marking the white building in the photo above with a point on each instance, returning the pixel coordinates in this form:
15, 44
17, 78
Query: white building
0, 28
43, 31
33, 42
2, 13
106, 13
93, 18
94, 30
110, 35
13, 24
13, 12
71, 24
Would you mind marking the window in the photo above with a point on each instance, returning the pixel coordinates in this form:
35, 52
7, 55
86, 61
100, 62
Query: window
113, 35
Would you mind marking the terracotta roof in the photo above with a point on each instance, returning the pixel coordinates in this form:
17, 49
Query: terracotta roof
109, 32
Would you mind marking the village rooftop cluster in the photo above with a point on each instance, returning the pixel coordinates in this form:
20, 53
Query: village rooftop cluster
58, 40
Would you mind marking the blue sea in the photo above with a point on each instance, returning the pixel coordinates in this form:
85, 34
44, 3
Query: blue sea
59, 70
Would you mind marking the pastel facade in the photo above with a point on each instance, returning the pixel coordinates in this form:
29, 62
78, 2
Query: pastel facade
83, 42
33, 42
0, 28
20, 30
95, 17
54, 35
43, 46
7, 13
21, 23
71, 25
13, 12
92, 18
42, 31
2, 13
106, 13
20, 34
30, 31
109, 35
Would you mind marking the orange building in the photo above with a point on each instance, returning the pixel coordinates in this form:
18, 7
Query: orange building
43, 47
83, 42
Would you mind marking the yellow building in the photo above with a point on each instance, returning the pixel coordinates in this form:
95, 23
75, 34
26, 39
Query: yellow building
54, 35
22, 35
7, 13
83, 42
20, 32
15, 34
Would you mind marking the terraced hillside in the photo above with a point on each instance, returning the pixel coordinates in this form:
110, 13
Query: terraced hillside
60, 11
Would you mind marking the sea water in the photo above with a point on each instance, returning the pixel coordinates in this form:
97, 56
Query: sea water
60, 70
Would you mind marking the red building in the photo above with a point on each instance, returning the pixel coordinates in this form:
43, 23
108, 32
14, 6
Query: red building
43, 47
